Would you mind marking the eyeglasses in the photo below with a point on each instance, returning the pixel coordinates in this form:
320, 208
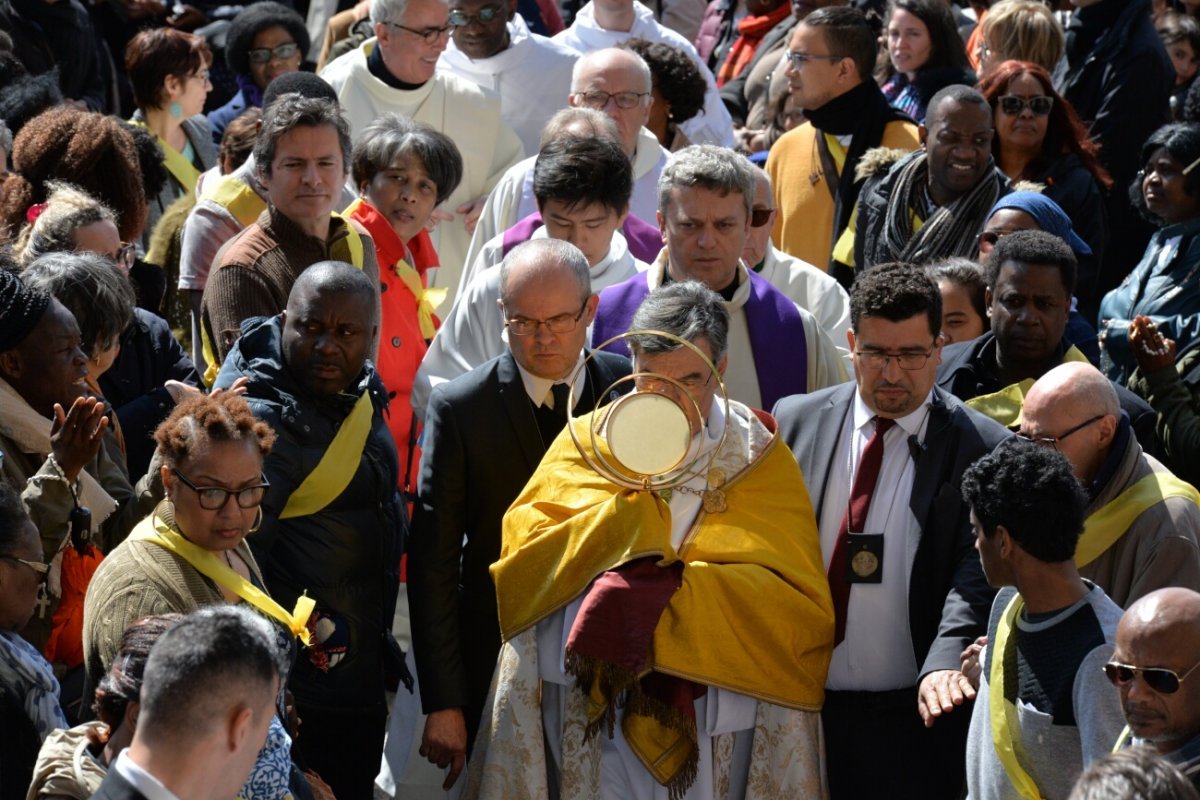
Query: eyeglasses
126, 255
760, 216
1163, 681
430, 35
213, 498
461, 19
40, 567
910, 362
563, 323
265, 55
1052, 441
798, 60
1012, 105
599, 100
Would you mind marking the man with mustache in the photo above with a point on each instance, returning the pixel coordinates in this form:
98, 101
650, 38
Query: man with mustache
333, 522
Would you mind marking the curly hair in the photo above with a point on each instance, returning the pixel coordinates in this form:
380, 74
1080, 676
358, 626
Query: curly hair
90, 150
1033, 247
225, 417
150, 158
26, 96
676, 77
156, 53
896, 292
122, 684
253, 20
1064, 132
67, 210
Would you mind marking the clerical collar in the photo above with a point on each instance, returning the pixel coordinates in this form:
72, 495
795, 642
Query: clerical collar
377, 68
726, 294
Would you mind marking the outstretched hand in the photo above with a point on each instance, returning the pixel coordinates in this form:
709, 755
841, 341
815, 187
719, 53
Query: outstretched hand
76, 435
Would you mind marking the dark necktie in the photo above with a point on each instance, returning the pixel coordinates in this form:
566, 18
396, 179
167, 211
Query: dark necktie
854, 520
561, 393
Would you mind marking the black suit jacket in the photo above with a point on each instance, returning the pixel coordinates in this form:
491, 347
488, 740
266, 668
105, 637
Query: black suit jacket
948, 597
481, 445
115, 787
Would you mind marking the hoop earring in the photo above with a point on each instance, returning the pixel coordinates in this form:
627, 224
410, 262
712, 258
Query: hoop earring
258, 521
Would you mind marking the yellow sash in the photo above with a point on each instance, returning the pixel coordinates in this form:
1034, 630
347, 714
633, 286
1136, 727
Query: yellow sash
156, 530
235, 196
1108, 524
837, 151
333, 472
353, 243
1005, 405
182, 170
1004, 713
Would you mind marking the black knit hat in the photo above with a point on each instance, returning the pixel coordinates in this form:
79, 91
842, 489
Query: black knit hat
255, 18
21, 309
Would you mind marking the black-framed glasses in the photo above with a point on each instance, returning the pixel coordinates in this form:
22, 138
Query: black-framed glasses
1052, 441
213, 498
265, 55
909, 362
485, 15
1039, 106
431, 36
798, 59
563, 323
1160, 679
760, 216
599, 100
40, 567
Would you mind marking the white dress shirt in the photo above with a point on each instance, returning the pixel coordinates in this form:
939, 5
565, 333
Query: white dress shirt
140, 779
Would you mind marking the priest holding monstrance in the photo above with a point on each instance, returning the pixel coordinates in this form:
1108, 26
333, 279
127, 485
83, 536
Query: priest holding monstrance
662, 598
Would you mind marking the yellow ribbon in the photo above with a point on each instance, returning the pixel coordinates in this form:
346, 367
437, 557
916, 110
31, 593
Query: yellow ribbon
333, 472
1005, 405
181, 169
1108, 524
427, 299
1004, 713
157, 531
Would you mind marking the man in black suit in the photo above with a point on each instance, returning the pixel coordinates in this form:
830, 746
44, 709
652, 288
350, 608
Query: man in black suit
485, 433
896, 536
208, 695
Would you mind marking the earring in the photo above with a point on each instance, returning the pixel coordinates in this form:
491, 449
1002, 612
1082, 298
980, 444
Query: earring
258, 521
176, 110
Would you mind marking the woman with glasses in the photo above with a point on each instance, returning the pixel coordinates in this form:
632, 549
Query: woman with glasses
925, 54
1040, 139
264, 41
1165, 284
169, 73
29, 692
143, 372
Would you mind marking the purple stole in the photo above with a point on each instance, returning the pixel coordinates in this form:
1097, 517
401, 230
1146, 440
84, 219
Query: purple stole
777, 337
645, 240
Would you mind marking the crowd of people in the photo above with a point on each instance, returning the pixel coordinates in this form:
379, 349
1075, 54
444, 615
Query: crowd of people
672, 401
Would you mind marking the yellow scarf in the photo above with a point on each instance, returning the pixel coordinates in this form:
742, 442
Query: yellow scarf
156, 530
1005, 405
235, 196
1003, 712
334, 471
183, 171
354, 246
1108, 524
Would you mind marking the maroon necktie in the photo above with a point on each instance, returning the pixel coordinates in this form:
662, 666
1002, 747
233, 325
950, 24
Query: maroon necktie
855, 520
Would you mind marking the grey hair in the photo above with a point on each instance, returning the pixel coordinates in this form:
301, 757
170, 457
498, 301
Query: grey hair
549, 253
587, 58
390, 10
6, 138
68, 209
99, 297
293, 110
707, 166
564, 119
391, 135
687, 309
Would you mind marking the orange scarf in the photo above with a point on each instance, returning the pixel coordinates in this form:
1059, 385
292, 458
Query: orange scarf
751, 31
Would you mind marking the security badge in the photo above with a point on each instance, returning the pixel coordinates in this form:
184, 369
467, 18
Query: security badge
864, 557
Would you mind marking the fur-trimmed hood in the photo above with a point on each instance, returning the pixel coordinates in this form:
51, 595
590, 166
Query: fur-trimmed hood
879, 160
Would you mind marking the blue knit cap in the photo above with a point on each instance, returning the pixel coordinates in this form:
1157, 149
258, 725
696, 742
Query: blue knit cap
1049, 216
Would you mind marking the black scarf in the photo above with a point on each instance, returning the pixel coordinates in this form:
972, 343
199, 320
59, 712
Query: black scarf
863, 112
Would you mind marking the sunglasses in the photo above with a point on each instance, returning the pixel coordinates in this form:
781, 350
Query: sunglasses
1013, 105
760, 216
1163, 681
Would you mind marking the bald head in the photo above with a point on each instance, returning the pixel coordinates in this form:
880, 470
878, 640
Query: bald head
1077, 406
601, 76
1161, 630
334, 277
579, 123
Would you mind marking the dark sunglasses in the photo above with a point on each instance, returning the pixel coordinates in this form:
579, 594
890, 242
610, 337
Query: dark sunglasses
1013, 105
760, 216
1163, 681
